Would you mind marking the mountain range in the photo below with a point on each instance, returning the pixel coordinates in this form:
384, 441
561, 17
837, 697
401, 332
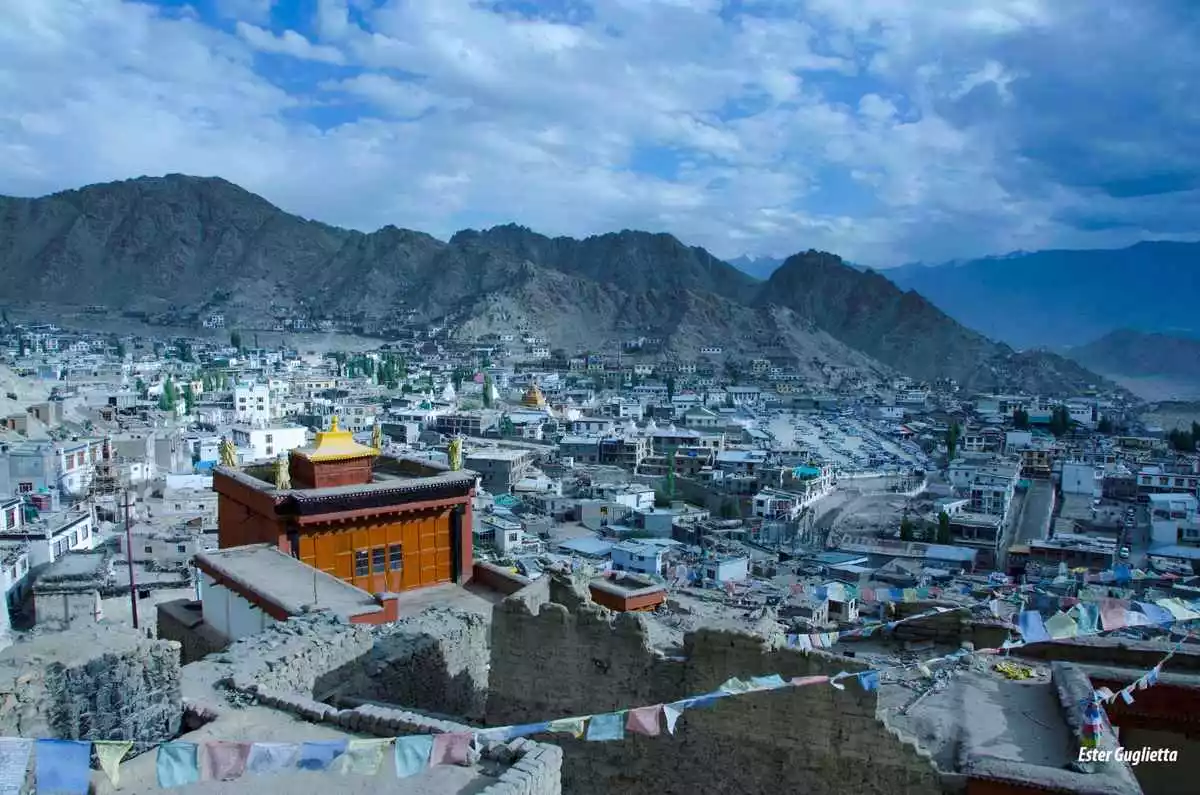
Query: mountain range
181, 246
1067, 298
1154, 365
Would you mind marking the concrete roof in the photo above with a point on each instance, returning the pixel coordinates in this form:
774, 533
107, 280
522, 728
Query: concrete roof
285, 581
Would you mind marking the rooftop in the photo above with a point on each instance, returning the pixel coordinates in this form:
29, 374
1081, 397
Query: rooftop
285, 581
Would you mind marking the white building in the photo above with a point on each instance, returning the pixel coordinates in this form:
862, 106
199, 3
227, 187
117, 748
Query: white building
252, 404
271, 442
1173, 520
639, 556
1079, 478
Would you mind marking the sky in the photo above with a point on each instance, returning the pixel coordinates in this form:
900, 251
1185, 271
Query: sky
886, 131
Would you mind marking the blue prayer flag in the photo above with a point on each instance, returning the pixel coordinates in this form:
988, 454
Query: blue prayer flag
320, 755
177, 764
63, 767
412, 754
606, 727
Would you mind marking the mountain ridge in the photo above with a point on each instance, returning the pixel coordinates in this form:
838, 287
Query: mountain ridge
1066, 297
182, 246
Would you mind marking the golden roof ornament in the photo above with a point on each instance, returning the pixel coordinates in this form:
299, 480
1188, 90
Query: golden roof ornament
455, 454
335, 445
283, 477
228, 453
377, 436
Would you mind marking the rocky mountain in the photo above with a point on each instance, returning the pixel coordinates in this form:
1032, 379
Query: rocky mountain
1067, 298
1134, 354
180, 246
867, 312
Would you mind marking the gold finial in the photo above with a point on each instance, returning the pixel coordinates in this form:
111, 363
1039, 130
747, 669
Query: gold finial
377, 436
283, 477
228, 453
333, 425
455, 453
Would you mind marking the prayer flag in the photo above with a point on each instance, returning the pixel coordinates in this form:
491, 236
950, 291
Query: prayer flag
363, 757
64, 767
451, 749
644, 720
14, 764
413, 754
177, 764
272, 757
572, 726
602, 728
671, 713
320, 755
224, 760
109, 754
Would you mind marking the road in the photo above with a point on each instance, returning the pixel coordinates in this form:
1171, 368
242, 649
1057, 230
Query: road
1036, 513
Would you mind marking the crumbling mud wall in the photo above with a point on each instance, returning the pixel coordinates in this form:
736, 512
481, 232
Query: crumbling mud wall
552, 661
106, 683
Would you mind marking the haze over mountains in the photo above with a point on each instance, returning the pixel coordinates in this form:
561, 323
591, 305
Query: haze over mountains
182, 246
1057, 299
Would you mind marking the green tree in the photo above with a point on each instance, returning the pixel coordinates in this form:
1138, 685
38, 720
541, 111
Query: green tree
487, 391
661, 500
141, 388
1105, 425
943, 528
906, 529
189, 398
953, 434
670, 387
1060, 420
1021, 419
166, 401
185, 352
235, 339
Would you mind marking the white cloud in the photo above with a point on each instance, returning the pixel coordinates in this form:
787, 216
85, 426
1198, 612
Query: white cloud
289, 42
885, 131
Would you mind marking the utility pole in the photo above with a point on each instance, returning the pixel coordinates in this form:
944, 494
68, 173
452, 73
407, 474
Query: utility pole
129, 559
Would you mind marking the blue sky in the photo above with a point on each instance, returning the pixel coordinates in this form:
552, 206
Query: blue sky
883, 130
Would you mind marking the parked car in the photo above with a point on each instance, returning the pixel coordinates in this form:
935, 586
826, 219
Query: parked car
1123, 553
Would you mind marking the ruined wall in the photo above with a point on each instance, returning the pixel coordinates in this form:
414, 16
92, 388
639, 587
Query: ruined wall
553, 662
63, 609
436, 661
104, 683
182, 621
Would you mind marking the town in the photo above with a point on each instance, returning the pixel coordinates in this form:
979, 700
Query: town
210, 539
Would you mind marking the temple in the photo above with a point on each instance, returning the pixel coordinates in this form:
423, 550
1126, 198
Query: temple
383, 524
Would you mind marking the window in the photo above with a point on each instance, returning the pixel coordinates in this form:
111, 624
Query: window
362, 565
377, 560
25, 487
269, 438
395, 557
182, 548
149, 550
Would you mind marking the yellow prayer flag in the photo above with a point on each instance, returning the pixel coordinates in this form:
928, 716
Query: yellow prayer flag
363, 757
110, 753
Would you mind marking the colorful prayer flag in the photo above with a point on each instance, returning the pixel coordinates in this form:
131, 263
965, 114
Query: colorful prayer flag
412, 754
109, 754
177, 764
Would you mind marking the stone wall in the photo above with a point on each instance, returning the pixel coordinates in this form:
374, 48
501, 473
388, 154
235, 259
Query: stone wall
181, 620
436, 661
65, 608
551, 661
100, 683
